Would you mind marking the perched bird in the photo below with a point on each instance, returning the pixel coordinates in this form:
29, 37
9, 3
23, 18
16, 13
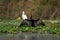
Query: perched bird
32, 22
24, 16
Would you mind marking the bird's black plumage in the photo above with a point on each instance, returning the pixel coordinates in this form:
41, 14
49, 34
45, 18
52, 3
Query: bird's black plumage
31, 22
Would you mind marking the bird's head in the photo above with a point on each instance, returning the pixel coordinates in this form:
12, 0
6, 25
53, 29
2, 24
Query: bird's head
23, 12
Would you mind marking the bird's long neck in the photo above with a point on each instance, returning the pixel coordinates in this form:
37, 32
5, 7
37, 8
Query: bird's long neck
23, 14
31, 17
32, 21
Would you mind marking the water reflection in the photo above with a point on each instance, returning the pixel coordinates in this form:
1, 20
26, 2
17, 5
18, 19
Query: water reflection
29, 36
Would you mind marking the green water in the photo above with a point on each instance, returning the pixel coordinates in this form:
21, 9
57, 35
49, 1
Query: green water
29, 36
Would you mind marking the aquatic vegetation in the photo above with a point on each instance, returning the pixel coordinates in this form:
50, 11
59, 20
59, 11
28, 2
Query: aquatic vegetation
11, 26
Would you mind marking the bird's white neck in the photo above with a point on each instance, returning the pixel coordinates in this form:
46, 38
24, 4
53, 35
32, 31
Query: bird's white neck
24, 16
23, 13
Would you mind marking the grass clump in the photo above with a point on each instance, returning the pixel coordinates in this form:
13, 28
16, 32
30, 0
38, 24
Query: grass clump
11, 26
